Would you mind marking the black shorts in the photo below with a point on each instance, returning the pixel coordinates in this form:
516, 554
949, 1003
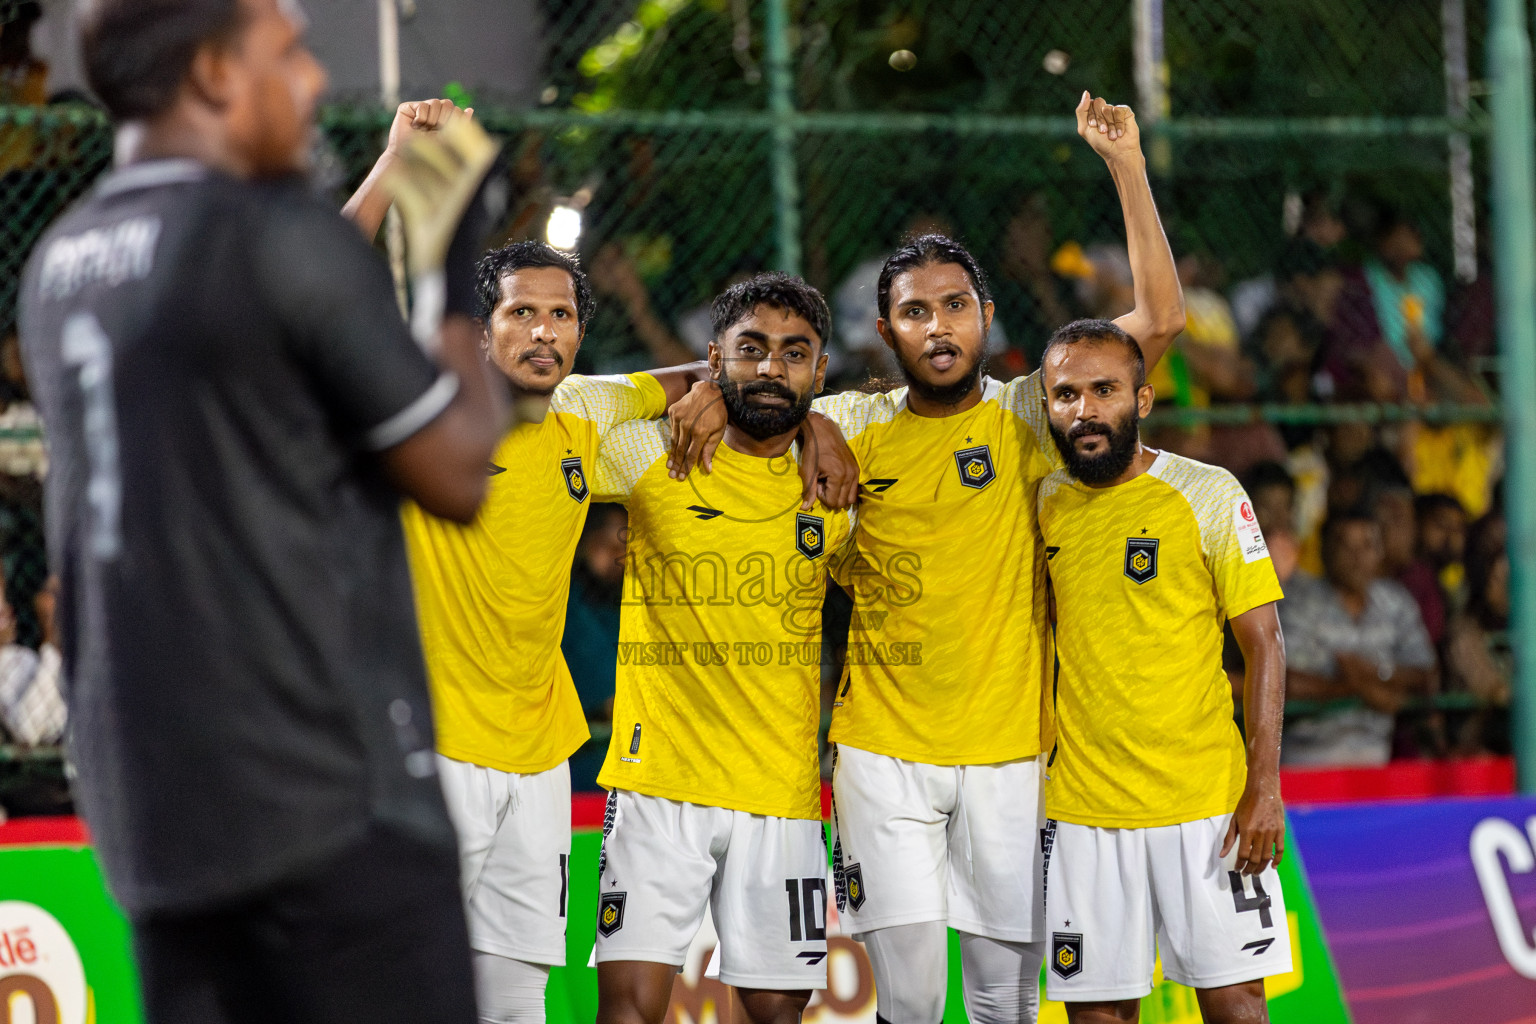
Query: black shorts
376, 935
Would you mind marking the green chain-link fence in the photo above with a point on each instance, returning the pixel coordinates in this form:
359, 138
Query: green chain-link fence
658, 123
697, 143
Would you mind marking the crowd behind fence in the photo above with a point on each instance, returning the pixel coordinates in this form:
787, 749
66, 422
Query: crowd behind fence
1319, 166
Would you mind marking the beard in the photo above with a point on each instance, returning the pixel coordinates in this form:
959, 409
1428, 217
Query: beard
762, 421
947, 394
1100, 469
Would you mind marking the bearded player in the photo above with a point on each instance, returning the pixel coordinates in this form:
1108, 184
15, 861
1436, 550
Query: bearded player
938, 813
1167, 829
713, 768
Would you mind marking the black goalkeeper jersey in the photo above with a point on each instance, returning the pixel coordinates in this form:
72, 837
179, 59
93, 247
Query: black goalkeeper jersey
216, 362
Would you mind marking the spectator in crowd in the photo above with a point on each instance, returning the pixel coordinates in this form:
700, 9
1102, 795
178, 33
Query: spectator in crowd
31, 702
1478, 660
591, 641
1320, 231
23, 77
1392, 506
1288, 339
22, 453
1443, 540
1027, 287
1286, 344
1351, 634
1360, 467
614, 276
1210, 345
1406, 293
1430, 573
23, 83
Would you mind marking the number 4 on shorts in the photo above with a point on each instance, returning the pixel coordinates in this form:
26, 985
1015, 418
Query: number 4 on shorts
1259, 901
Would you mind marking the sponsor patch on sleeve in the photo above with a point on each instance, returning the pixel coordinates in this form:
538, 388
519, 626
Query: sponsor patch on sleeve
1249, 537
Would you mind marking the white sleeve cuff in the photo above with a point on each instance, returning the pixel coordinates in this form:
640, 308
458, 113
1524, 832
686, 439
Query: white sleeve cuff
415, 416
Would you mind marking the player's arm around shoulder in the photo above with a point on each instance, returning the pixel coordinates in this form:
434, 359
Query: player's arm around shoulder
629, 450
829, 471
1024, 396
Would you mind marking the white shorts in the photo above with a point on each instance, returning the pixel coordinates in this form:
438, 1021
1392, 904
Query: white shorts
764, 880
919, 842
1111, 891
514, 851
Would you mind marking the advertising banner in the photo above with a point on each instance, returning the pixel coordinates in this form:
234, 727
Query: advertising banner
1430, 908
64, 952
64, 947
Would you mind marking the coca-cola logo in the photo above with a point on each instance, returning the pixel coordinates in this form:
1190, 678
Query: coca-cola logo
40, 969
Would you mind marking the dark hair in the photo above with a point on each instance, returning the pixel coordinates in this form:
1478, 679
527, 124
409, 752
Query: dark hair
1390, 219
1336, 521
515, 256
1099, 331
138, 52
771, 288
1304, 258
1426, 505
1485, 546
927, 251
1268, 474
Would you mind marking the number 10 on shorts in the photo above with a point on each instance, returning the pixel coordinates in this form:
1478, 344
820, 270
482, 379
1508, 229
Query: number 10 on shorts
803, 906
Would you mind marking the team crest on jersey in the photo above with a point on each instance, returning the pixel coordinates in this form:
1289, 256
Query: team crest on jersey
1141, 558
610, 913
810, 535
575, 478
1066, 954
975, 466
853, 880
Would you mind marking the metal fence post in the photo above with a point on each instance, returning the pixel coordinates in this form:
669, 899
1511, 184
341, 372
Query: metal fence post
1514, 222
781, 103
1453, 21
1151, 67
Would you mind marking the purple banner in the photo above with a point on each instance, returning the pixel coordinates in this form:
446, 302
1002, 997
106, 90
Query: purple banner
1429, 908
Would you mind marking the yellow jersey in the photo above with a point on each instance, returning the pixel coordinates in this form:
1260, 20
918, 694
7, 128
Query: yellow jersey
947, 648
490, 596
1145, 573
719, 673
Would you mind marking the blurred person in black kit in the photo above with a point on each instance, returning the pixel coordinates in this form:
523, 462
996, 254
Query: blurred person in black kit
235, 409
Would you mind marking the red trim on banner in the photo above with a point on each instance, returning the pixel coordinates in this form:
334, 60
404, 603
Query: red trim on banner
54, 831
587, 809
1400, 780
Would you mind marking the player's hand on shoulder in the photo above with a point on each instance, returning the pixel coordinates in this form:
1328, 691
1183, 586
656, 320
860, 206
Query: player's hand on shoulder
827, 465
698, 426
415, 117
1111, 130
1257, 829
